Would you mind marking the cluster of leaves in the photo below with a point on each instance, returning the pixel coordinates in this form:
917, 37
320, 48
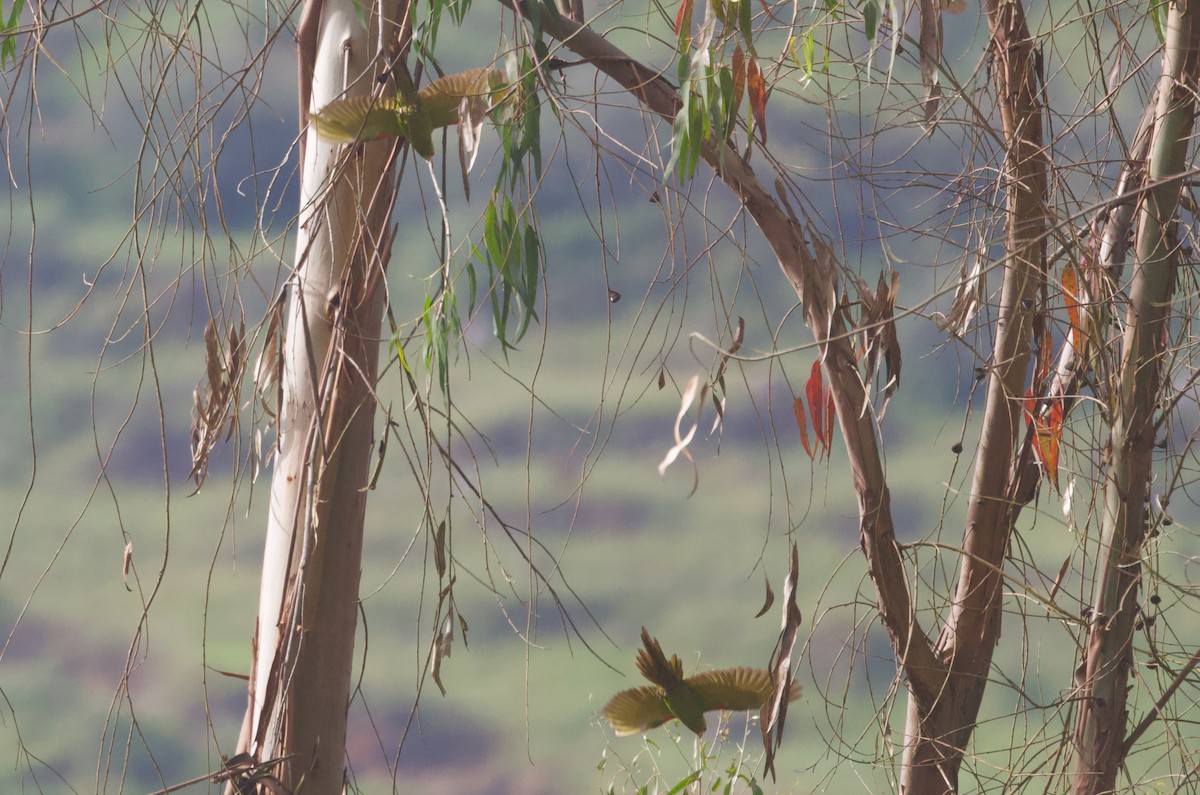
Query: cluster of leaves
712, 91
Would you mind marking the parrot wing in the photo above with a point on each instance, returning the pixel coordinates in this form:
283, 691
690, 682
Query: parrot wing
443, 97
345, 121
735, 688
637, 710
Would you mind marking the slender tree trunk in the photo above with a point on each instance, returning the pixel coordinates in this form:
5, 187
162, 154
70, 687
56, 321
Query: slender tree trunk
1102, 718
299, 690
937, 730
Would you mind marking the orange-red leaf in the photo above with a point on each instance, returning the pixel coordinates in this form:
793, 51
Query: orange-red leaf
757, 86
684, 17
1047, 427
739, 78
802, 423
820, 406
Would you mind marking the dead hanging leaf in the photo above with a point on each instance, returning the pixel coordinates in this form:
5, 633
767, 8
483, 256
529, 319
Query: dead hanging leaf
127, 563
443, 643
802, 423
1058, 581
773, 714
462, 625
268, 371
214, 407
662, 379
972, 285
878, 327
471, 113
820, 406
756, 86
439, 550
769, 600
1045, 351
931, 57
692, 393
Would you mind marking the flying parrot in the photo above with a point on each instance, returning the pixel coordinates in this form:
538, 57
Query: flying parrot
673, 696
410, 113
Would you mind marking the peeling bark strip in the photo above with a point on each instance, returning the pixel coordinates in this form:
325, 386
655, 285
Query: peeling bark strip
299, 690
1102, 717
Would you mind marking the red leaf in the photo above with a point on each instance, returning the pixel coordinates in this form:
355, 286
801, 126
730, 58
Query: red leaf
758, 97
820, 406
802, 423
684, 16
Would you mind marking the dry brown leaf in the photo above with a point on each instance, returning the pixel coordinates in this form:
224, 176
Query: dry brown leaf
443, 644
931, 57
774, 713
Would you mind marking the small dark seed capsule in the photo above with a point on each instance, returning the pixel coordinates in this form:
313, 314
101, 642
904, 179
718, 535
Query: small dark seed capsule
1139, 625
957, 448
980, 373
1155, 599
1167, 521
1150, 620
1027, 303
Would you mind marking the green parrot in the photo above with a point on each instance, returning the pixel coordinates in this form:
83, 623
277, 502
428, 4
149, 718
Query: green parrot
673, 696
410, 113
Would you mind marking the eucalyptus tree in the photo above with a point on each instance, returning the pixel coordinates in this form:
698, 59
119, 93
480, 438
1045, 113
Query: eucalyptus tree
1048, 153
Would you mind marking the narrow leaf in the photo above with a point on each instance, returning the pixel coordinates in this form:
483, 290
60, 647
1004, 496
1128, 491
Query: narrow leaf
815, 391
683, 19
769, 600
802, 423
757, 87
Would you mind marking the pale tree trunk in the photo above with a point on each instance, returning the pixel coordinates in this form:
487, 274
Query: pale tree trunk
1100, 744
304, 643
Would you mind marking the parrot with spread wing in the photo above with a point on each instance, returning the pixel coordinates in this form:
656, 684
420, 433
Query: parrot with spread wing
410, 113
674, 696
